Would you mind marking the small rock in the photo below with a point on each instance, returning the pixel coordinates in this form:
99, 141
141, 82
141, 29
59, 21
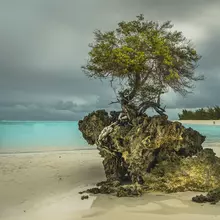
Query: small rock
84, 197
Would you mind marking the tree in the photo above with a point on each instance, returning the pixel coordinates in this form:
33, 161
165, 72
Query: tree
146, 59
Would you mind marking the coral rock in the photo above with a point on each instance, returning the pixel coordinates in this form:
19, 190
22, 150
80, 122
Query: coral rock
152, 153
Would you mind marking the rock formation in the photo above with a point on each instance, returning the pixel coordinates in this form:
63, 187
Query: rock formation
212, 197
149, 154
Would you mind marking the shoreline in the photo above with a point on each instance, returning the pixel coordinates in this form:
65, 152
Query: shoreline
46, 151
199, 122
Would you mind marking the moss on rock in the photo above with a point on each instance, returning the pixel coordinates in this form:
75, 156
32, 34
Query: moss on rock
150, 153
198, 173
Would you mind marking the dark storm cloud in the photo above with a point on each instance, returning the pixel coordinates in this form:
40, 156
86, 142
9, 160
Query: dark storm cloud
43, 44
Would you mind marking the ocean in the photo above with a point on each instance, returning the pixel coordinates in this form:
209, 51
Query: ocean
36, 136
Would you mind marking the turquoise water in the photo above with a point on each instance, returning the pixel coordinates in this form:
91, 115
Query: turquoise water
212, 132
30, 136
40, 136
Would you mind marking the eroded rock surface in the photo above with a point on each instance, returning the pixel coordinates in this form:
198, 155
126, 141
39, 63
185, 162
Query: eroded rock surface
149, 154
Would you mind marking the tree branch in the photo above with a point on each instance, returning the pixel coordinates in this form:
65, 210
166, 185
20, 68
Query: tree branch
149, 104
114, 102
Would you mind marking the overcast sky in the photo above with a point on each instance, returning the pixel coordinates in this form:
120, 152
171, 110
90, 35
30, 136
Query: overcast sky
44, 43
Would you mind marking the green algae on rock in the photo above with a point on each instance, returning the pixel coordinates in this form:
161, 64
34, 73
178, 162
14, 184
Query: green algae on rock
150, 154
198, 173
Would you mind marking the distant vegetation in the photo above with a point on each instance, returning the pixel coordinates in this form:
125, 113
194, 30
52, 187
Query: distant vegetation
210, 113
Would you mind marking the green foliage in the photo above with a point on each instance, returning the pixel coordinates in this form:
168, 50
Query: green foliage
201, 114
148, 56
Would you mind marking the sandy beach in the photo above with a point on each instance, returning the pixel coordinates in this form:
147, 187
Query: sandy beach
200, 122
45, 186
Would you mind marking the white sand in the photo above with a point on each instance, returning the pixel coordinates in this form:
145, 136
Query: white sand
200, 122
45, 186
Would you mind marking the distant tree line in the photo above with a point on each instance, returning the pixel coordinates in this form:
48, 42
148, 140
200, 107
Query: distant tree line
210, 113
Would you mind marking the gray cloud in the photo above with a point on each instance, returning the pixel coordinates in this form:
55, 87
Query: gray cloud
43, 44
